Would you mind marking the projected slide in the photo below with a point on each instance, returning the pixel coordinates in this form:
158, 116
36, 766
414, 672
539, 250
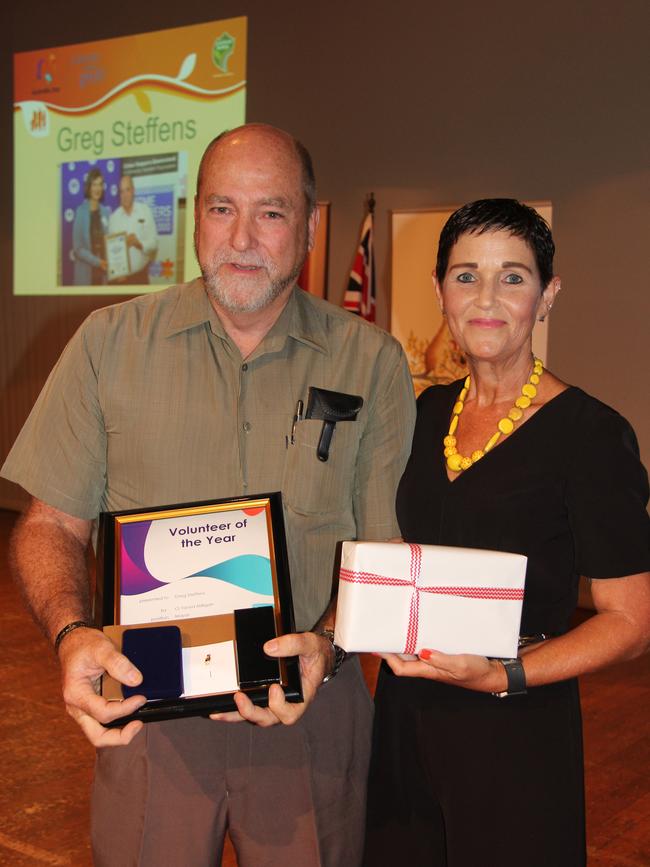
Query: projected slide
107, 141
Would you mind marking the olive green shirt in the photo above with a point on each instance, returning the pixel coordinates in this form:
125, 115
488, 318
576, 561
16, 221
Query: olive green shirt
151, 403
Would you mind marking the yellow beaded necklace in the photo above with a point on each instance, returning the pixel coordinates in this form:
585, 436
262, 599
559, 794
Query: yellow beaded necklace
457, 462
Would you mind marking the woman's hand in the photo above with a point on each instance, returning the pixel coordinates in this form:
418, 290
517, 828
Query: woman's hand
463, 669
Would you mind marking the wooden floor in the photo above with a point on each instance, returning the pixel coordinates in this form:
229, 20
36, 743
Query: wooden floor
46, 764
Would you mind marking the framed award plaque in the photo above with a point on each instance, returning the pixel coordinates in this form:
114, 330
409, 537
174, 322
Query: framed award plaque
190, 593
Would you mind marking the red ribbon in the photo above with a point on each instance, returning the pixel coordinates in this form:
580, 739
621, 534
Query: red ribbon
503, 593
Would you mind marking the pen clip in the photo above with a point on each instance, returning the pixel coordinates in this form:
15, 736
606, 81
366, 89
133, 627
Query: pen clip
296, 418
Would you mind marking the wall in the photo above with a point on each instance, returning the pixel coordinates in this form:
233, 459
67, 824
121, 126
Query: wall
428, 103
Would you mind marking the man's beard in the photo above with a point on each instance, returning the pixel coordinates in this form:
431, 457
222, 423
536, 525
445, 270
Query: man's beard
246, 298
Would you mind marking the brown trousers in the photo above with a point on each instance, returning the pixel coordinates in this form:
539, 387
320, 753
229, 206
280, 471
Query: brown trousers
289, 795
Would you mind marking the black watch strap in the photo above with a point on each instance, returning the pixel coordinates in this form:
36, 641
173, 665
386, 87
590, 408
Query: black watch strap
516, 678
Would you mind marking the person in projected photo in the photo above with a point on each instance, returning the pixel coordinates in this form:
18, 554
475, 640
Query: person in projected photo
478, 761
135, 218
88, 232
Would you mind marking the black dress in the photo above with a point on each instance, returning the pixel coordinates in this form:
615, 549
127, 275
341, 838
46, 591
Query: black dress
462, 778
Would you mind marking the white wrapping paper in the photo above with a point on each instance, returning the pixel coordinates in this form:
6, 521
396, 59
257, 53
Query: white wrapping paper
401, 598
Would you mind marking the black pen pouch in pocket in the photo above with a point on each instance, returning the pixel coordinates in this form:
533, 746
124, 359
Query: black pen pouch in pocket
331, 407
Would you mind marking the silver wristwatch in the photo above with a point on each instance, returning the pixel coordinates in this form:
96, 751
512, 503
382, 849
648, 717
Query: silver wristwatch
339, 654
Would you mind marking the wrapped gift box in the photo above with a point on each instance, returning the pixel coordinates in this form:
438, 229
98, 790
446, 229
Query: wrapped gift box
401, 597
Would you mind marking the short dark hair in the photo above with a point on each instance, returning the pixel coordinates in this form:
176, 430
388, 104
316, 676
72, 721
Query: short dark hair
304, 157
92, 175
493, 215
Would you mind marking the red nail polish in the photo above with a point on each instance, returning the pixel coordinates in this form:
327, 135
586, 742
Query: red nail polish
425, 654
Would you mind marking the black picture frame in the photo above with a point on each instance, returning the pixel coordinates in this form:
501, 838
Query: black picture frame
251, 629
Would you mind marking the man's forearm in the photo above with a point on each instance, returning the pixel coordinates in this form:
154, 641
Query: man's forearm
48, 558
327, 619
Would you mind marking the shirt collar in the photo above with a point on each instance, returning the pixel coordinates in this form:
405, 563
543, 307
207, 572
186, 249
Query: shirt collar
193, 308
307, 321
300, 319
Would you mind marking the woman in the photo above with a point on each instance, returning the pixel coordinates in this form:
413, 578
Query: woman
510, 459
88, 233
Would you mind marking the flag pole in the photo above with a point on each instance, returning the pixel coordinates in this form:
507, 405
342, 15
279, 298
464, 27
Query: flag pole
370, 202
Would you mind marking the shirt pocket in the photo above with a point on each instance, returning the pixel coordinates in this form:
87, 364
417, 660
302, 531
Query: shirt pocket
314, 487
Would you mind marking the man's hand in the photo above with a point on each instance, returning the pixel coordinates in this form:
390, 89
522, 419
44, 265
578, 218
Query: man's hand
133, 241
85, 655
316, 659
48, 555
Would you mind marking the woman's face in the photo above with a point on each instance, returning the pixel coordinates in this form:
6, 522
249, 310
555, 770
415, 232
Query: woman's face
96, 189
492, 295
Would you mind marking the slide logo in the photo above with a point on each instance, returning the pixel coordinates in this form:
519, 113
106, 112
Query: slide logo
36, 118
44, 80
38, 122
222, 49
44, 69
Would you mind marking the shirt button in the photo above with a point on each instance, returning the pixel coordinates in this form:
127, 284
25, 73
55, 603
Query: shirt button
244, 367
247, 426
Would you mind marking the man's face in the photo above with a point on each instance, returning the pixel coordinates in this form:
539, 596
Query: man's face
251, 229
126, 193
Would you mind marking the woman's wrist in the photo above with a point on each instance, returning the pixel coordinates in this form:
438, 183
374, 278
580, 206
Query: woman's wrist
515, 678
497, 678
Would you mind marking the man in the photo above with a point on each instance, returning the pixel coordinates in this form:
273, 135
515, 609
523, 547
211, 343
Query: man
189, 394
136, 219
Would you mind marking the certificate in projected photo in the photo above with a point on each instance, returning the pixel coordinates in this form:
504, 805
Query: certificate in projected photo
218, 571
117, 256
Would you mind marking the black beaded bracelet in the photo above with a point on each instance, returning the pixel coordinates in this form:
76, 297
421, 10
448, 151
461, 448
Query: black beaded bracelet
76, 624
